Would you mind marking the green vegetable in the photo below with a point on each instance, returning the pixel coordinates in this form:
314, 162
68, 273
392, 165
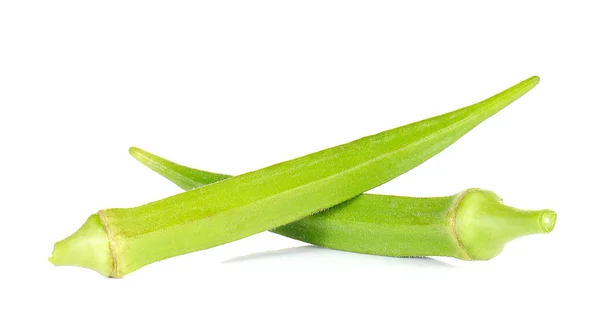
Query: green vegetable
473, 224
115, 242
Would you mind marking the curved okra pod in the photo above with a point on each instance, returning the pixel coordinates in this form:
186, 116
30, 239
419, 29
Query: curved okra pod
471, 225
115, 242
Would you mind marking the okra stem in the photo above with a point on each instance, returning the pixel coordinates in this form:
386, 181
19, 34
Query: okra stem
471, 225
115, 242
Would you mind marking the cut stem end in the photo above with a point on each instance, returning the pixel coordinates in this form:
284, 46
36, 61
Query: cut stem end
547, 220
485, 224
88, 247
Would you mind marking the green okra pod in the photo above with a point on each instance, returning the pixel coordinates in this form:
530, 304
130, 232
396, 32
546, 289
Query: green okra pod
471, 225
115, 242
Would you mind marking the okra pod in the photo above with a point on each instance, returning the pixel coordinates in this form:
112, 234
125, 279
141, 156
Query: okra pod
115, 242
471, 225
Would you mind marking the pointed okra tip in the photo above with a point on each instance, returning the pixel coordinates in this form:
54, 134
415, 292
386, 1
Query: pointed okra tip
150, 160
524, 86
534, 79
484, 224
88, 247
518, 90
138, 153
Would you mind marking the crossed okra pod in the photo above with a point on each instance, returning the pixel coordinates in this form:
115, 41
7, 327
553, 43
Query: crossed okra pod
318, 199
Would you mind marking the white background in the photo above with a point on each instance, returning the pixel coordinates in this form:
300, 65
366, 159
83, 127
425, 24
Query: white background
233, 86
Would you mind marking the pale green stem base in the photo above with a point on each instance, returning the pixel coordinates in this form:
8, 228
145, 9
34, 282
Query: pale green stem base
88, 247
